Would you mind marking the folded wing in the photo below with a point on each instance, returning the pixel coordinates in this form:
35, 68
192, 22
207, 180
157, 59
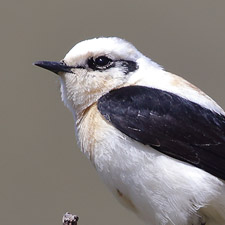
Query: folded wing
170, 124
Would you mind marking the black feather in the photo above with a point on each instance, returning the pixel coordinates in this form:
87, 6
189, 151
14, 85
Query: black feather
170, 124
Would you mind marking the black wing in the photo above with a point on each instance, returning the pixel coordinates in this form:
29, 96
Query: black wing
170, 124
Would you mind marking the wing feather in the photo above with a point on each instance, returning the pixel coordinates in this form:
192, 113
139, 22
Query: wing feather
170, 124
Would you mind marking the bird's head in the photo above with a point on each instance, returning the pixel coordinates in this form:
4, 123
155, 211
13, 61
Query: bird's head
94, 67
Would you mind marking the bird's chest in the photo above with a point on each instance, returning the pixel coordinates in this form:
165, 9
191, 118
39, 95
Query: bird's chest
108, 150
116, 158
106, 147
138, 176
87, 129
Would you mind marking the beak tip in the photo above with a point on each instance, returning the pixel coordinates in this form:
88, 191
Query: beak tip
55, 67
35, 63
38, 63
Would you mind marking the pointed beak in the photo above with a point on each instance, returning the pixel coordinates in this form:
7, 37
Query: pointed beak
55, 67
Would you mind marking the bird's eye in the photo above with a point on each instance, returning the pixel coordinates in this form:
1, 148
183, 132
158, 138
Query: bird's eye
100, 63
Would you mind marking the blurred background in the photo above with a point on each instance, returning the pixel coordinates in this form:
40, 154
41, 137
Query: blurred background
43, 174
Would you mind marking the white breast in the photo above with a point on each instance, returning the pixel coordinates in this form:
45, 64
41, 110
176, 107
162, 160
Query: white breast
152, 184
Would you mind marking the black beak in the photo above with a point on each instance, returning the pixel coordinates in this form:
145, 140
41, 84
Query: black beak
55, 67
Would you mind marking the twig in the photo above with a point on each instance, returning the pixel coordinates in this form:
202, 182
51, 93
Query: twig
69, 219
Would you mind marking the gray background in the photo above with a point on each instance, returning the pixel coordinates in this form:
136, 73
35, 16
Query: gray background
42, 172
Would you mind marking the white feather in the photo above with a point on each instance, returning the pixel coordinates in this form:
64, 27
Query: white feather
160, 189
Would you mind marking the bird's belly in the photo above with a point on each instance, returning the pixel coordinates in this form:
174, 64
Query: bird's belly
121, 169
116, 159
160, 189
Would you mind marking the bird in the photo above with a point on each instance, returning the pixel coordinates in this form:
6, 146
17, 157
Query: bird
156, 140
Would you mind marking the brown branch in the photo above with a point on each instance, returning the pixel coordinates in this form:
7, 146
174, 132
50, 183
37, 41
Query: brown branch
69, 219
